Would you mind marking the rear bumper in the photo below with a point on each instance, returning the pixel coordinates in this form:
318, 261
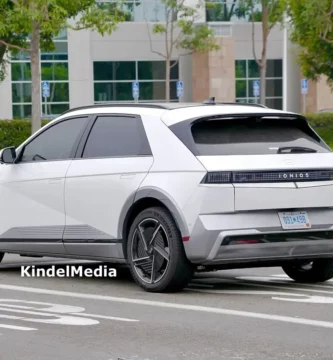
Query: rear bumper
205, 246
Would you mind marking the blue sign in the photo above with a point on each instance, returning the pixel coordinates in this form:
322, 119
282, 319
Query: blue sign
180, 89
256, 88
304, 86
46, 89
135, 90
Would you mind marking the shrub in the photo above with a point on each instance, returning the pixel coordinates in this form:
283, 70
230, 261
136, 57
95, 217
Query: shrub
323, 125
14, 132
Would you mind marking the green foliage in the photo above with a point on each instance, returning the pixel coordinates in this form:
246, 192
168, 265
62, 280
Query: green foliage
312, 29
182, 31
17, 17
15, 132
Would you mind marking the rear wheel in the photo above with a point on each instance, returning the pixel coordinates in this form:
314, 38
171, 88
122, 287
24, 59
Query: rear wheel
156, 254
310, 271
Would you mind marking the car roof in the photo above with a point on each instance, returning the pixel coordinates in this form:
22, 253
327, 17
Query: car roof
173, 112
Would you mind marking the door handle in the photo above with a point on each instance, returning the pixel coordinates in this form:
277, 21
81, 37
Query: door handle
54, 181
127, 176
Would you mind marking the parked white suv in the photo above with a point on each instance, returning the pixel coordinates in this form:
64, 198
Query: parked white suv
172, 189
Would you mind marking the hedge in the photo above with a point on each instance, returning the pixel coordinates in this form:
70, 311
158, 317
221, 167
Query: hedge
14, 132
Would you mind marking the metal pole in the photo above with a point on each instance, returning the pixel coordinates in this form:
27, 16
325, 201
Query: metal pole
45, 100
304, 103
285, 64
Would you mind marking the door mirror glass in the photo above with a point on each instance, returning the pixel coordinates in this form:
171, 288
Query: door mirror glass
8, 155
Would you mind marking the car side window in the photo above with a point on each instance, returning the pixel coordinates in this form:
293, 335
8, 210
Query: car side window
56, 142
117, 136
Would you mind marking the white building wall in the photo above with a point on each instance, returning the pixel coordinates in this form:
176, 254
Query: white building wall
6, 111
81, 85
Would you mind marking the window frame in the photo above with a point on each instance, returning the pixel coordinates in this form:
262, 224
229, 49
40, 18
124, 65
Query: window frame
84, 139
18, 159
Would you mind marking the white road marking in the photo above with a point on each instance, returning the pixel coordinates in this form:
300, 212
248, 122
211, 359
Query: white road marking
204, 309
276, 285
297, 297
109, 317
12, 327
56, 313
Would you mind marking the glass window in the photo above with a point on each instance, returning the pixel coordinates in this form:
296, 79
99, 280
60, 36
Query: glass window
21, 71
114, 70
54, 71
59, 92
54, 109
273, 87
113, 91
240, 69
21, 111
274, 103
253, 69
250, 87
248, 136
274, 68
21, 92
156, 70
240, 88
56, 142
152, 91
113, 136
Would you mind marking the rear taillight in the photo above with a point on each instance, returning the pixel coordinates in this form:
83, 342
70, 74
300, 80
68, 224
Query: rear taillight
225, 177
218, 178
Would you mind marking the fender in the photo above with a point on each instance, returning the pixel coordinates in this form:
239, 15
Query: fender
164, 198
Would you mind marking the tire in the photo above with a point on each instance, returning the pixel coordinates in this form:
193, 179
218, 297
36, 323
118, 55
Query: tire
1, 256
172, 269
310, 272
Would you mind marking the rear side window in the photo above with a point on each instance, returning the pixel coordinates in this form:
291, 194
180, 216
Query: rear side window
253, 136
115, 136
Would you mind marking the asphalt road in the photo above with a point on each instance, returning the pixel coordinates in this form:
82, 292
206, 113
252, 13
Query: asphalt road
256, 314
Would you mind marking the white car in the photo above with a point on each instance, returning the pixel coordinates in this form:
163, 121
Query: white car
172, 189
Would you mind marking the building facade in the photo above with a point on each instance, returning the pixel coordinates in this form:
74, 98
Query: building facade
88, 68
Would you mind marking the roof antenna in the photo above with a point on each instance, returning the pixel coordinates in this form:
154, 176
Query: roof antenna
210, 101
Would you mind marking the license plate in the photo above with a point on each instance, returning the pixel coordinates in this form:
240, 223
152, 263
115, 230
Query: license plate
295, 220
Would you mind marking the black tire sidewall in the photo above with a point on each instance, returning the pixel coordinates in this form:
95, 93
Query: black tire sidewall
176, 249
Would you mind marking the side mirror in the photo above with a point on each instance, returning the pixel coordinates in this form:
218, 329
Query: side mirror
8, 155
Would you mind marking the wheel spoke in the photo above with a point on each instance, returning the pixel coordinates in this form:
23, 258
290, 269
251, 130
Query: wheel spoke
157, 229
142, 238
141, 261
153, 270
162, 252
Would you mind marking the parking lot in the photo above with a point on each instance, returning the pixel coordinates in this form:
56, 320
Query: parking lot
238, 314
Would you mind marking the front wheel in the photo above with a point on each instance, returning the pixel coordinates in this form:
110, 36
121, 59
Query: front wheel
311, 271
156, 254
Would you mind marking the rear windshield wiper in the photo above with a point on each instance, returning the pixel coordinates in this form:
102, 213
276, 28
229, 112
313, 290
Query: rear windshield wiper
295, 149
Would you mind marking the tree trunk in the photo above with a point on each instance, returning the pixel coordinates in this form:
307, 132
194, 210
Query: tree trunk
167, 79
263, 82
36, 111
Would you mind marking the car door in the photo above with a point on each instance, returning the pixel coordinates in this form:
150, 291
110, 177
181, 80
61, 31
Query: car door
115, 159
32, 189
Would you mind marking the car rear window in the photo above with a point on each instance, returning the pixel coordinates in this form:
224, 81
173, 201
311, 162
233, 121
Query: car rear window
253, 136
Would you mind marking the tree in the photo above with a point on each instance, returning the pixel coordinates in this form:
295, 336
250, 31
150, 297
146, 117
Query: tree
270, 13
312, 29
41, 20
180, 31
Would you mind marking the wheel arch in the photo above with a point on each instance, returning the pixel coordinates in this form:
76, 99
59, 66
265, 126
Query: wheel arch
143, 199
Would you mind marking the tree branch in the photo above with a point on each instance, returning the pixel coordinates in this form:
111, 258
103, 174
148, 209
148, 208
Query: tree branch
11, 46
151, 43
253, 43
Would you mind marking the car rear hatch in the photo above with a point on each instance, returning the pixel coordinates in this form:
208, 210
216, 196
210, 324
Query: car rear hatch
272, 161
